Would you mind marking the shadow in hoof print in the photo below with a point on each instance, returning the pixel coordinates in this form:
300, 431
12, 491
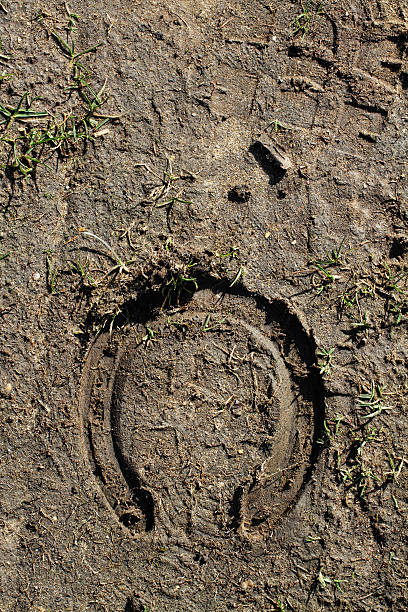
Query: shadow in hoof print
204, 421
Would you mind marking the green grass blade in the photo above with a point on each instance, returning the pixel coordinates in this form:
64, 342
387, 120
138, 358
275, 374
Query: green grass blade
89, 50
64, 46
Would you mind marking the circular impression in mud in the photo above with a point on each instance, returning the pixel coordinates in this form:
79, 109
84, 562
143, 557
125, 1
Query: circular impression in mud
203, 422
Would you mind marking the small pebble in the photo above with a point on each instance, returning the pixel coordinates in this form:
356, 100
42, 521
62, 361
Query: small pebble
247, 584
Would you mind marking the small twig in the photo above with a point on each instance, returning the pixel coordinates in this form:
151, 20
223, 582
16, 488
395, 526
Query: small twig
371, 594
225, 22
181, 19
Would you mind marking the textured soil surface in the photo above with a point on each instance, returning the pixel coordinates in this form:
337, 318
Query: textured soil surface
203, 305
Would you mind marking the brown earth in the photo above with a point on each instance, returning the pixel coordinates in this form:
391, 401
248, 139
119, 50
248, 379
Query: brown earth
203, 303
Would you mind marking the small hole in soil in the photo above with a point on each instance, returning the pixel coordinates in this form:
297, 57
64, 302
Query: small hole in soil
399, 247
281, 194
128, 519
403, 77
133, 606
239, 194
394, 66
200, 559
257, 521
295, 51
235, 507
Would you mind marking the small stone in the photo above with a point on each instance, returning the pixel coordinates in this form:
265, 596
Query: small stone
369, 136
247, 584
274, 153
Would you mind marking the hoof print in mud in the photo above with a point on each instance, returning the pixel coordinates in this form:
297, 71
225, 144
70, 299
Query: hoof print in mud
204, 421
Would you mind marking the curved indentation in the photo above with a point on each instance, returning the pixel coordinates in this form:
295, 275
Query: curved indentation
206, 420
122, 490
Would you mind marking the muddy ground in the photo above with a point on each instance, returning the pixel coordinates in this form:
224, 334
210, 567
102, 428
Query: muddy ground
203, 306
